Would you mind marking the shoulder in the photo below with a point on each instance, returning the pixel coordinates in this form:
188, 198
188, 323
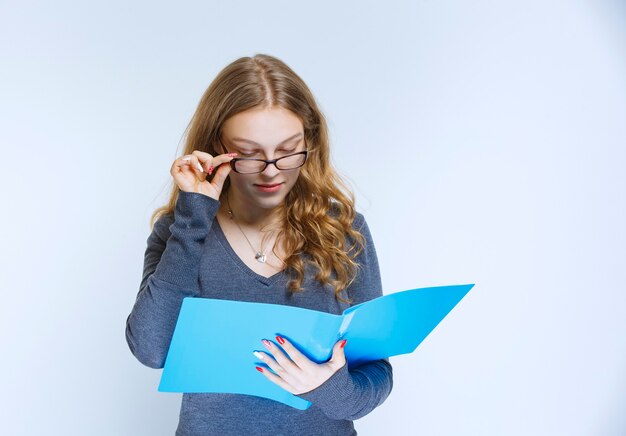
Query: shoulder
359, 219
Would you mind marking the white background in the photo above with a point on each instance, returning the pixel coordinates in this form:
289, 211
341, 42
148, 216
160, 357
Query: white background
485, 142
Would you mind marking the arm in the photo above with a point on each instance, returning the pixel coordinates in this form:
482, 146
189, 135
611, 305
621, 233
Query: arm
170, 273
353, 393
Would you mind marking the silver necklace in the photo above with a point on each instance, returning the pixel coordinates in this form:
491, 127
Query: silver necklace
259, 254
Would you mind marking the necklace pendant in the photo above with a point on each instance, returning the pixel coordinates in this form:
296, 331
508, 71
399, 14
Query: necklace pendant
260, 257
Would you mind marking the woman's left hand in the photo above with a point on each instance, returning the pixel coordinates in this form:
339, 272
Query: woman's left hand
295, 372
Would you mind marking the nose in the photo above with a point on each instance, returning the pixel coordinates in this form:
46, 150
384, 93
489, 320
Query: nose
270, 170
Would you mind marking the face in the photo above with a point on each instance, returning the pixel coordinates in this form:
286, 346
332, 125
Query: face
266, 133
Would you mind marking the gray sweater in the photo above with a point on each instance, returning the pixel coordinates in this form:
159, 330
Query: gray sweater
187, 254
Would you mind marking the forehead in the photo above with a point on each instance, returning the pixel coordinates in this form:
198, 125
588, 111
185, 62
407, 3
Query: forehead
262, 128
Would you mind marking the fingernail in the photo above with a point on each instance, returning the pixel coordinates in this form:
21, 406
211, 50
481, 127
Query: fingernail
232, 154
210, 170
186, 159
258, 355
343, 343
200, 168
267, 343
259, 369
280, 340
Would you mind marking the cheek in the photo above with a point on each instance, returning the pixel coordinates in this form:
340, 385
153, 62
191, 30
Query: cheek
293, 178
238, 179
240, 184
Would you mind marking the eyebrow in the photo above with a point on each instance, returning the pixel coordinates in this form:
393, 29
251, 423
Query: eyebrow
249, 141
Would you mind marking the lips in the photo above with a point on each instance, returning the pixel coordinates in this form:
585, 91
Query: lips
267, 186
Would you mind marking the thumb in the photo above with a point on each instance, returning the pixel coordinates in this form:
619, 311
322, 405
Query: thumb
220, 176
339, 355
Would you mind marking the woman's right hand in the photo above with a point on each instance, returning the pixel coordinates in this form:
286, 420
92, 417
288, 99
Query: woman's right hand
190, 172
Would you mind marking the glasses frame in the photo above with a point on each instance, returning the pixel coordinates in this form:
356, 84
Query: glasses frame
233, 161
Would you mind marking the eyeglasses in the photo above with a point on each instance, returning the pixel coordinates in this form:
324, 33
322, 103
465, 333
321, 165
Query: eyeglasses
248, 165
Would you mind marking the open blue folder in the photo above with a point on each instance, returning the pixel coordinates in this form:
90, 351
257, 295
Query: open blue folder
212, 345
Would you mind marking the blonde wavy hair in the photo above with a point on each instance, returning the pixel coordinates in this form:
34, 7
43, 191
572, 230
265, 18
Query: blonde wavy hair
308, 228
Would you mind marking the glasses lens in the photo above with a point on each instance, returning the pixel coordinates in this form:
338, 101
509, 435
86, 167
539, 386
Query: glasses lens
290, 162
256, 166
249, 166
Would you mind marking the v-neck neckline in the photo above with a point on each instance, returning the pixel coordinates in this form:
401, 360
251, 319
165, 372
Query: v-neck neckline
221, 237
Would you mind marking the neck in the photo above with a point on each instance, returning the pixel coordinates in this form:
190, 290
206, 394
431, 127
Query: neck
257, 218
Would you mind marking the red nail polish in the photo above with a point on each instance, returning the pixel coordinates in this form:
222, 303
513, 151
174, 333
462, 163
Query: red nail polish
259, 369
210, 170
343, 343
280, 340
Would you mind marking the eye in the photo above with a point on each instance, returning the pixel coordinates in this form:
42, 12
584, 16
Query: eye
248, 154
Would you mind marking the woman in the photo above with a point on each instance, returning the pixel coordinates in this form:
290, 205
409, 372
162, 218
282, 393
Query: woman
257, 213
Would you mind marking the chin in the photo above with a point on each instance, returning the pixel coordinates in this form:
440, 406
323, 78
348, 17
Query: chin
269, 203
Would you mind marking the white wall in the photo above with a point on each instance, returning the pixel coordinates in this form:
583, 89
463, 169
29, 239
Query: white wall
485, 141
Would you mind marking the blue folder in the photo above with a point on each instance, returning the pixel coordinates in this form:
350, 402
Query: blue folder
212, 345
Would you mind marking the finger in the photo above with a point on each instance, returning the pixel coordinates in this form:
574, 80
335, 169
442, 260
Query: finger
207, 160
219, 176
277, 380
183, 161
294, 354
271, 362
280, 357
338, 358
197, 166
218, 161
191, 162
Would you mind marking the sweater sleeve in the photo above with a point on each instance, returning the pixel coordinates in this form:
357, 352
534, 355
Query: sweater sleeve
351, 393
170, 273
